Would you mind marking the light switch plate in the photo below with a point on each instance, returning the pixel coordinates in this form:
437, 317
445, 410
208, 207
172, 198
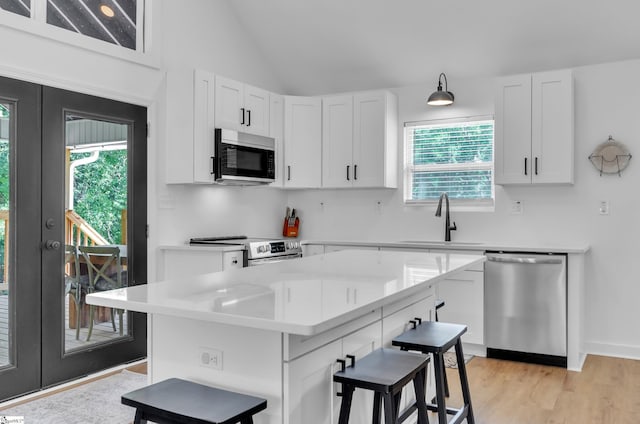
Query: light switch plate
604, 207
517, 207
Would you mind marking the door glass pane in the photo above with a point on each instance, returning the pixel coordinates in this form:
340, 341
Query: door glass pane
21, 7
5, 187
111, 21
95, 227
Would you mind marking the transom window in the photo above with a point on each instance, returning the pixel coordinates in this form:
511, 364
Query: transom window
453, 156
117, 22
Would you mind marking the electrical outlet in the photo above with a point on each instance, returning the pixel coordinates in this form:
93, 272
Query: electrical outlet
604, 207
211, 358
516, 207
377, 206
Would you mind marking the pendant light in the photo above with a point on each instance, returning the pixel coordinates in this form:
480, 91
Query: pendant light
439, 97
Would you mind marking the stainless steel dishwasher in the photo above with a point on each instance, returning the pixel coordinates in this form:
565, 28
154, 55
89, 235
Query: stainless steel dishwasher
525, 307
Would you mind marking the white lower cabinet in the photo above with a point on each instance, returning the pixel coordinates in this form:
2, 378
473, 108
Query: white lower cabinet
180, 262
463, 295
310, 394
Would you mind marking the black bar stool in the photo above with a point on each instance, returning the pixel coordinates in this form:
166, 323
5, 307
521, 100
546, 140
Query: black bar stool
176, 401
386, 372
436, 338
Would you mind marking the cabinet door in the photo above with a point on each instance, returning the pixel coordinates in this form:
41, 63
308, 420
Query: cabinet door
181, 263
229, 104
256, 105
276, 130
302, 141
310, 392
513, 130
369, 137
552, 140
463, 295
337, 141
203, 126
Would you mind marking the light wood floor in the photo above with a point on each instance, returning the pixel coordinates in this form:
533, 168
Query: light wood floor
607, 391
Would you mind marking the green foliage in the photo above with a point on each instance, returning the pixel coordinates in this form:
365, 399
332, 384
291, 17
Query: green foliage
100, 193
441, 154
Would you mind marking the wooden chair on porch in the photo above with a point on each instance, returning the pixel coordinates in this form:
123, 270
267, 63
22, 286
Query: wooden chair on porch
105, 272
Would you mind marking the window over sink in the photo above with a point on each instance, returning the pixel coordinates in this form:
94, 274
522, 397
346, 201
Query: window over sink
453, 156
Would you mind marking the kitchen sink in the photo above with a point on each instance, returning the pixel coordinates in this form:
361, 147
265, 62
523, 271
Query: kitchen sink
440, 242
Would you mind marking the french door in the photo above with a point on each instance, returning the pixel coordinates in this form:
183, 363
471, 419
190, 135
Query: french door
72, 174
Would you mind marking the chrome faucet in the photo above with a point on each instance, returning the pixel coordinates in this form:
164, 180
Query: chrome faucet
447, 222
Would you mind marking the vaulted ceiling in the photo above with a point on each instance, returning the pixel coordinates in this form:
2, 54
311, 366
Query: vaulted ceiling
323, 46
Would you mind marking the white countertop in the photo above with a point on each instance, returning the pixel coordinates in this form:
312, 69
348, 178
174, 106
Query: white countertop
459, 245
304, 296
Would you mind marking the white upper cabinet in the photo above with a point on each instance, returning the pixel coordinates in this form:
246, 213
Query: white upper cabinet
337, 141
359, 140
302, 142
276, 131
241, 107
534, 139
190, 130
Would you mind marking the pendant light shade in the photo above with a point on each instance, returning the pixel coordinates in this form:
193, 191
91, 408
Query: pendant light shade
440, 97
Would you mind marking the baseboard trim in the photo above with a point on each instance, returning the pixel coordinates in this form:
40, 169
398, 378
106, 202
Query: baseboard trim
616, 351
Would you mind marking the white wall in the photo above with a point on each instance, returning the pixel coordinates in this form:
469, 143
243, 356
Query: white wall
561, 215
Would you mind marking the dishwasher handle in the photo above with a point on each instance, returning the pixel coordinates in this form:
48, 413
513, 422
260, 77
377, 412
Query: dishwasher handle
524, 260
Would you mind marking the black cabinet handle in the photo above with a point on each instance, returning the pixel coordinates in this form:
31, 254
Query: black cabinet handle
355, 172
413, 324
248, 118
343, 364
347, 172
525, 166
288, 172
419, 320
213, 165
242, 111
536, 165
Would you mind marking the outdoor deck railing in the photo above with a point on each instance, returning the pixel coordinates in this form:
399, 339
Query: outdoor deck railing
80, 233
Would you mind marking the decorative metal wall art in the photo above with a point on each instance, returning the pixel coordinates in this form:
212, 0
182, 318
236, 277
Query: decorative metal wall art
610, 157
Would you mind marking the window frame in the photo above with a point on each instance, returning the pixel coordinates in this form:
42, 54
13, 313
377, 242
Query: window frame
37, 25
409, 168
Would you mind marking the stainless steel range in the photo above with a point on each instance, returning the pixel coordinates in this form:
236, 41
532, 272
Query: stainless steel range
257, 251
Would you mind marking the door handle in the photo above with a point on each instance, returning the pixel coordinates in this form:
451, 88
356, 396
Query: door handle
536, 165
525, 166
242, 112
288, 172
524, 260
355, 172
52, 245
248, 118
347, 172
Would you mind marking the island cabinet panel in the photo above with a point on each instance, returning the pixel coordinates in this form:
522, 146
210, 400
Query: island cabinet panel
464, 303
250, 360
310, 396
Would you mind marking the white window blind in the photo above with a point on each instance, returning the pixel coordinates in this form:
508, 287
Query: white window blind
452, 157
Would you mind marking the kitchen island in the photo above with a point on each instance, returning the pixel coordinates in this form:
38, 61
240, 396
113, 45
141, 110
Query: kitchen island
276, 331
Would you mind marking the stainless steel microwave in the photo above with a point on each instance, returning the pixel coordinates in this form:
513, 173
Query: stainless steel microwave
243, 159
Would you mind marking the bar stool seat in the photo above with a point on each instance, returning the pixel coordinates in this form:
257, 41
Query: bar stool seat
386, 372
436, 338
179, 401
